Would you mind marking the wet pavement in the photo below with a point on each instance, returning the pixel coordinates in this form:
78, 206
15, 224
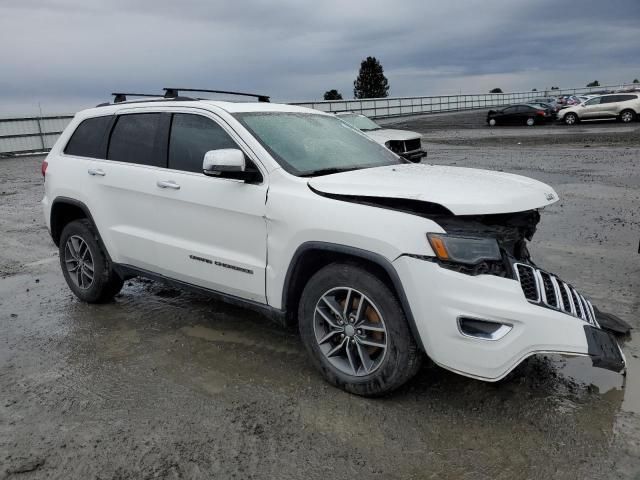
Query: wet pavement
167, 384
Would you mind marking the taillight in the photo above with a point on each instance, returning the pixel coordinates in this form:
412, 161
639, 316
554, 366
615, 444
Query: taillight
44, 167
540, 112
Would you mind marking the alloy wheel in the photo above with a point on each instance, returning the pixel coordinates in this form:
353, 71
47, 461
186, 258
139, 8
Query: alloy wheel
350, 331
626, 117
79, 262
570, 119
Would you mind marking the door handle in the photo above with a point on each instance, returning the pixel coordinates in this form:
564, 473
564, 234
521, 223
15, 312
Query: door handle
168, 184
96, 172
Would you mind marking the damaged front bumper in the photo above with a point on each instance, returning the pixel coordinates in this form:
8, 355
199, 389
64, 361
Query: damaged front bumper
439, 298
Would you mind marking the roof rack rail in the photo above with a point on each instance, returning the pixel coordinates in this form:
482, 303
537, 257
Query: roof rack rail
174, 92
158, 97
122, 97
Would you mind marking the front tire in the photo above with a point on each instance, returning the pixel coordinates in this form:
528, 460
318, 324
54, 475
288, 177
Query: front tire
85, 265
355, 331
570, 119
492, 122
627, 116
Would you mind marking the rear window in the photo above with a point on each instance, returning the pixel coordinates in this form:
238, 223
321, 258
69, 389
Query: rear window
89, 139
135, 139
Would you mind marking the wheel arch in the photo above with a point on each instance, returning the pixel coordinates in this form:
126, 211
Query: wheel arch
312, 256
628, 109
65, 210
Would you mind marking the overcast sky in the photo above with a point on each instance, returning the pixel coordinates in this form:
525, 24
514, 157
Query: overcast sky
69, 54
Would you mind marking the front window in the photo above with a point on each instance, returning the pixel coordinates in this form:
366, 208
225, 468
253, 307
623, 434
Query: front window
307, 144
360, 122
593, 101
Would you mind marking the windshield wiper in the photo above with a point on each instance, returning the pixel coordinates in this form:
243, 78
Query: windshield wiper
326, 171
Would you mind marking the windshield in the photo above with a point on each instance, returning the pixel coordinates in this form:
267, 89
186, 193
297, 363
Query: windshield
360, 122
307, 144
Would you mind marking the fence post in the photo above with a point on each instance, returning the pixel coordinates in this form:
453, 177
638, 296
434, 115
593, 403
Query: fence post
38, 121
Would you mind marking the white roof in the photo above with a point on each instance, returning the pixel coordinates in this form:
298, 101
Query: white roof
231, 107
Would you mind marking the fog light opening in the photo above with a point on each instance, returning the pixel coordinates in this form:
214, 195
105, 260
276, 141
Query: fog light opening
482, 329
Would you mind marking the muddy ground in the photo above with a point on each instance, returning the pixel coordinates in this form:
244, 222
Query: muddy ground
166, 384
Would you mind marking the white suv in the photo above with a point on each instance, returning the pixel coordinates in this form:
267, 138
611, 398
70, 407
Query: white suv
294, 213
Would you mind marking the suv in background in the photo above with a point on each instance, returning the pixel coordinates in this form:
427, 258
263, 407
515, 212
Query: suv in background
293, 213
623, 106
402, 142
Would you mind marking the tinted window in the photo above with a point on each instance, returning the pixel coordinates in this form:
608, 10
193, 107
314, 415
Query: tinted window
624, 98
134, 139
610, 99
191, 137
89, 138
510, 110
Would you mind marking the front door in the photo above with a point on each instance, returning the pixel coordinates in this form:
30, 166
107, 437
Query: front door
213, 230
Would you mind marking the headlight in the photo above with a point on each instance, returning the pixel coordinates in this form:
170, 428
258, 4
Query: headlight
469, 250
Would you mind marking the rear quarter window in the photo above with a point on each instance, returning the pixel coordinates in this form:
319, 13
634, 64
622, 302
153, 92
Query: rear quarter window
89, 138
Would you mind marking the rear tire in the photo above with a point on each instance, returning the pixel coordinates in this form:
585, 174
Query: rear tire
85, 265
627, 116
570, 119
530, 122
355, 331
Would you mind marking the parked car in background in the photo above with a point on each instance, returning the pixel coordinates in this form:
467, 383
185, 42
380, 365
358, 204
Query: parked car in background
524, 114
567, 100
402, 142
551, 101
549, 110
623, 106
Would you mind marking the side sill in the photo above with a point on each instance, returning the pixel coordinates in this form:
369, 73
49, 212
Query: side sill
274, 314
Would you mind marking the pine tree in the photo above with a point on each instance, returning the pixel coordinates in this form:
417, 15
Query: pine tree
371, 82
496, 90
332, 95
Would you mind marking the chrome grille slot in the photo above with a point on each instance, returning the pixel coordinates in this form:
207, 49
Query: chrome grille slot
528, 282
566, 301
577, 303
548, 290
545, 289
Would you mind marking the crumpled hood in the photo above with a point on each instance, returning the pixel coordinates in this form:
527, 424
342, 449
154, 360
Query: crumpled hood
384, 135
463, 191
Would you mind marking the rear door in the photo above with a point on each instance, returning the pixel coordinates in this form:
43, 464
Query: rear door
124, 184
212, 231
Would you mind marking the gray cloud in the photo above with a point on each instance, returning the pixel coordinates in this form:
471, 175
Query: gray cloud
68, 54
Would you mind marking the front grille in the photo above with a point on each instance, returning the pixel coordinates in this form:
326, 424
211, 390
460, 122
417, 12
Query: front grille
547, 290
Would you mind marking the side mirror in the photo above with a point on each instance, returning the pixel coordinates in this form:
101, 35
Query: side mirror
223, 161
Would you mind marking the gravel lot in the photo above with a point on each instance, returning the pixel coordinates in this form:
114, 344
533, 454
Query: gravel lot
165, 384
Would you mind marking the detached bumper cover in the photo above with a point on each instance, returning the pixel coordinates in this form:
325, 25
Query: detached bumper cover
604, 349
438, 297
